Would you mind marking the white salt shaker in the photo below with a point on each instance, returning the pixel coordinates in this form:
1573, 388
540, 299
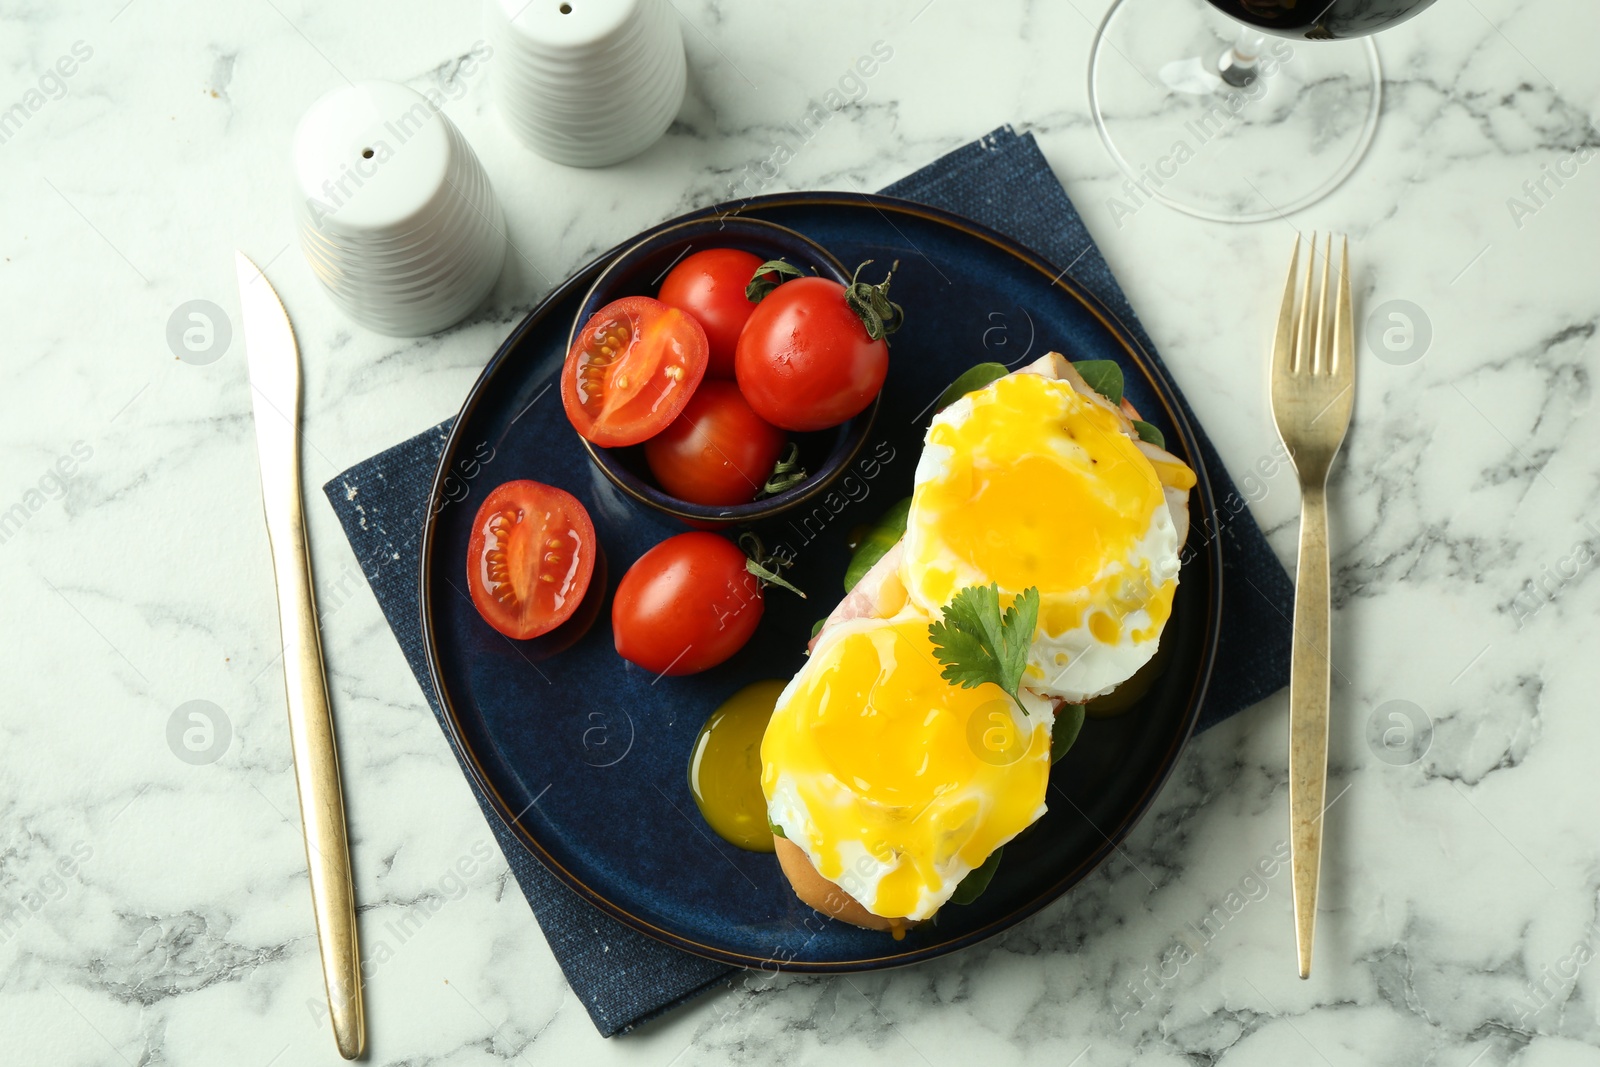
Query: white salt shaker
395, 213
587, 83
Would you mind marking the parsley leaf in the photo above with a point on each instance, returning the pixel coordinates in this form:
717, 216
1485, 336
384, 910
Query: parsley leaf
976, 643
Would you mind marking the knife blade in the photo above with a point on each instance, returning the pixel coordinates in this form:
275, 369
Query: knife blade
274, 364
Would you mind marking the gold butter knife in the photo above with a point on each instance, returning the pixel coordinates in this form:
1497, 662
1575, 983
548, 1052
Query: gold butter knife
274, 362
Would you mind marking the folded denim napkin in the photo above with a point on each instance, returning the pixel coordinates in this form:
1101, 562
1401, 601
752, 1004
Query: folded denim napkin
1002, 180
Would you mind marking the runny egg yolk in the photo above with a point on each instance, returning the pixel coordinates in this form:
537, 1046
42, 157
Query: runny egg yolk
895, 782
1027, 483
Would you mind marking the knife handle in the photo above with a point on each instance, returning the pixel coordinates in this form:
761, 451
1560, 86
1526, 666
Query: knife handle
1308, 718
316, 771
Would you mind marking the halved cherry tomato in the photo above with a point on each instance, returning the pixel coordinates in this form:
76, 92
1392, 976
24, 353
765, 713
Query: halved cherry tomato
631, 369
718, 452
804, 360
686, 605
530, 558
710, 286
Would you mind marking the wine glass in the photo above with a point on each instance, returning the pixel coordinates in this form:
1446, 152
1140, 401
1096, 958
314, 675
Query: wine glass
1237, 110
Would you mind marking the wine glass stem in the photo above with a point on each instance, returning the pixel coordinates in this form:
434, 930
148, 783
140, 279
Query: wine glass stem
1238, 64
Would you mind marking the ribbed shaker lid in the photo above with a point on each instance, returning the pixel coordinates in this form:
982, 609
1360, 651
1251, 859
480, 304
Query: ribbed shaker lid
371, 159
567, 25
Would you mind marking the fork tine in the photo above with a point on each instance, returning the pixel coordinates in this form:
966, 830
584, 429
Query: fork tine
1283, 341
1343, 346
1302, 344
1321, 358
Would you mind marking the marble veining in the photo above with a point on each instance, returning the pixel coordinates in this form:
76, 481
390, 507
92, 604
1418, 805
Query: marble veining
153, 905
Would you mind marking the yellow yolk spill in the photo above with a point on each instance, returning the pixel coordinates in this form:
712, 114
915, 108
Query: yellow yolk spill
1039, 486
885, 754
725, 768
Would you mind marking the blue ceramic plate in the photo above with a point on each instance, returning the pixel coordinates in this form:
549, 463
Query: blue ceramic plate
586, 757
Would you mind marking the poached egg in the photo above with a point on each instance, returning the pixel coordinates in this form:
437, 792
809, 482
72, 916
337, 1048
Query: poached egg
1031, 481
894, 782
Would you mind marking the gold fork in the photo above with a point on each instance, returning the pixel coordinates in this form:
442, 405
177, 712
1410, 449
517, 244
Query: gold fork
1313, 384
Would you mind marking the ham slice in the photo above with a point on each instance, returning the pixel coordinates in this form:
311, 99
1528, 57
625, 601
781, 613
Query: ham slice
877, 595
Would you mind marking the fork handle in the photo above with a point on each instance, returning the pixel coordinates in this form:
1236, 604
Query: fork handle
1308, 717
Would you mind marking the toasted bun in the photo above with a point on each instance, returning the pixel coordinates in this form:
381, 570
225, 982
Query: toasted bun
817, 892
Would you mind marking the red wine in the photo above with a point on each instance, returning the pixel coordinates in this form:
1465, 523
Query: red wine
1321, 20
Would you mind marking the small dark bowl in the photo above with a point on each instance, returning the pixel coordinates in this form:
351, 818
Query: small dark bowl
638, 271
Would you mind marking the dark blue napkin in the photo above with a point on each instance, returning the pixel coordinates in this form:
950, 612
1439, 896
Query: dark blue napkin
624, 978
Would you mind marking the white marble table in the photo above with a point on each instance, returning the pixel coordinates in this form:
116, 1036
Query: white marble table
158, 908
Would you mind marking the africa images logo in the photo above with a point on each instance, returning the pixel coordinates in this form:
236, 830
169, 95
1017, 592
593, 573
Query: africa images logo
51, 85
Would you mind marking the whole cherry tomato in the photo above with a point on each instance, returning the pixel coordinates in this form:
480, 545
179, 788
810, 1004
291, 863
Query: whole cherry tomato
686, 605
808, 360
718, 451
710, 286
